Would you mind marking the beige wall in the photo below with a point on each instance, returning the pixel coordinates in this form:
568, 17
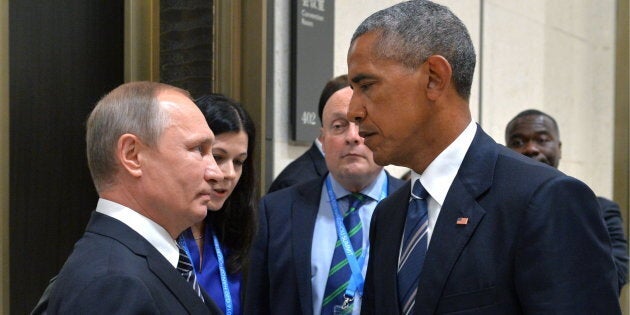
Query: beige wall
4, 156
556, 56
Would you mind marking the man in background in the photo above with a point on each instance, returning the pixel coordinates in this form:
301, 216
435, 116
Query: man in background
310, 164
535, 134
149, 154
297, 264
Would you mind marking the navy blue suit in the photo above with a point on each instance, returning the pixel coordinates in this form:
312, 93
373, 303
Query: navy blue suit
279, 277
534, 243
307, 166
114, 270
614, 224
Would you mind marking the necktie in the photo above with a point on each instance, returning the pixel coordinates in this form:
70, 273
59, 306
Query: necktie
340, 272
185, 267
414, 247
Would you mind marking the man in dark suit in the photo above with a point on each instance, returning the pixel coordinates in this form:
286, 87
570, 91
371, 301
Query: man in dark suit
536, 134
311, 164
149, 154
297, 266
485, 230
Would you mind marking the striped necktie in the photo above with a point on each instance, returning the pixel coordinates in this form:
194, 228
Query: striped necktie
413, 249
185, 267
339, 275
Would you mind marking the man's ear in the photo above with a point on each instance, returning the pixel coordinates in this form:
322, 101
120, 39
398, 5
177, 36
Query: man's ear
440, 73
321, 138
127, 151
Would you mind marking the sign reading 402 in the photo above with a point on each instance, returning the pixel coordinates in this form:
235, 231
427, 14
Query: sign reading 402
309, 118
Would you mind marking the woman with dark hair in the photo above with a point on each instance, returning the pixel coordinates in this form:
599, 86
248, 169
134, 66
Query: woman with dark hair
218, 245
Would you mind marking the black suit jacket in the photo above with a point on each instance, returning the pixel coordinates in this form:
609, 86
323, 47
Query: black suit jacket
280, 267
114, 270
307, 166
534, 243
614, 224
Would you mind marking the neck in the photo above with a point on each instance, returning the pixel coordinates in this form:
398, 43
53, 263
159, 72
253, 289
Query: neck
198, 229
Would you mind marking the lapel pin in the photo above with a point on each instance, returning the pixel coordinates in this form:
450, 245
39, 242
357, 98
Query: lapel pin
462, 221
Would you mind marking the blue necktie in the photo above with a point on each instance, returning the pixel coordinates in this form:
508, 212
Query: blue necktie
340, 272
414, 248
185, 267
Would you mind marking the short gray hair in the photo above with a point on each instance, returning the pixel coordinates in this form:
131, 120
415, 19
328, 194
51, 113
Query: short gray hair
130, 108
412, 31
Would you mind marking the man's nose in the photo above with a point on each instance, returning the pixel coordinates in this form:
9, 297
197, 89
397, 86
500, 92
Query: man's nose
356, 113
531, 149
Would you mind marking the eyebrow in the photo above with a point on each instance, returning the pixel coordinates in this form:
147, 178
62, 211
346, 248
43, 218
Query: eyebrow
360, 77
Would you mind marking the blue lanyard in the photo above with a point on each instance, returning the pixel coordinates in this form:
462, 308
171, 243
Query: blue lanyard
356, 279
229, 309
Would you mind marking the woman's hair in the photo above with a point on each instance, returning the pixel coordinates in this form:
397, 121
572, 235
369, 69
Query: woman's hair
235, 223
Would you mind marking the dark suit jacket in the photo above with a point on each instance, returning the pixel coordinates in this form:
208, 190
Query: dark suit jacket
114, 270
308, 166
614, 224
280, 267
534, 243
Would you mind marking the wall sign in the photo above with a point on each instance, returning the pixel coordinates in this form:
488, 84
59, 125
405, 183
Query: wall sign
312, 41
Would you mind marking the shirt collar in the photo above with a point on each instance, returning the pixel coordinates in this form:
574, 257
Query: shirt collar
439, 175
373, 190
151, 231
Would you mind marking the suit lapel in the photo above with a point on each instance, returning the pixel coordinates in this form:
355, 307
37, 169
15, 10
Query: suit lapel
180, 288
450, 238
303, 216
391, 216
158, 265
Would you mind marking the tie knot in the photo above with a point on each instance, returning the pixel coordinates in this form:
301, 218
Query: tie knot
356, 196
418, 191
354, 201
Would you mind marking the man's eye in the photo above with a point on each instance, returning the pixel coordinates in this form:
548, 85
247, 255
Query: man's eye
516, 143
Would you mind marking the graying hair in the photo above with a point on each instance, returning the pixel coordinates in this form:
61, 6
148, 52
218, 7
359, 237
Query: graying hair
131, 108
412, 31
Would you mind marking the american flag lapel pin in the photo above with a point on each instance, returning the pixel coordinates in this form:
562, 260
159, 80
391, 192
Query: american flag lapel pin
462, 221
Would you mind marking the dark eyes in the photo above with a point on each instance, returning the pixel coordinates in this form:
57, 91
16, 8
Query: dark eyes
221, 159
365, 86
518, 142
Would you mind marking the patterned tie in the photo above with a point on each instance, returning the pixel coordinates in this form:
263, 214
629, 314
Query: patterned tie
414, 247
185, 267
340, 272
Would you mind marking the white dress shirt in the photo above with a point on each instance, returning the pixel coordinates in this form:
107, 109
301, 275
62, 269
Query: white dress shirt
439, 175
